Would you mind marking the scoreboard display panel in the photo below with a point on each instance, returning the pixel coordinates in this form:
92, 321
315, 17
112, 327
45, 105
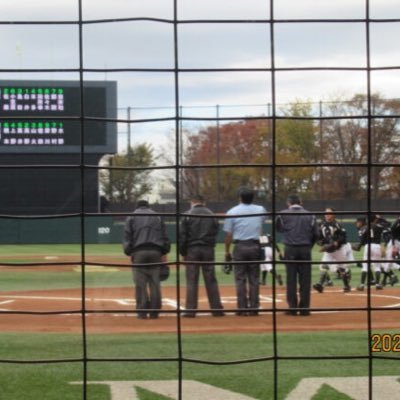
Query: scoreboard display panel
56, 117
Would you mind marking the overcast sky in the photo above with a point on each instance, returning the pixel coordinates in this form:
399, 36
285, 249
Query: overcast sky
209, 45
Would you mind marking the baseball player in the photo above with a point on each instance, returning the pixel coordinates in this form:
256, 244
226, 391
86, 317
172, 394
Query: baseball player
267, 247
333, 242
349, 256
371, 240
392, 254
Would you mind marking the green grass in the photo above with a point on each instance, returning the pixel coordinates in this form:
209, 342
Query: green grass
34, 279
24, 252
326, 392
254, 379
19, 280
43, 250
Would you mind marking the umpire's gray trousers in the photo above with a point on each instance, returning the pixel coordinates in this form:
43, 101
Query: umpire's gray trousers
201, 253
147, 280
247, 297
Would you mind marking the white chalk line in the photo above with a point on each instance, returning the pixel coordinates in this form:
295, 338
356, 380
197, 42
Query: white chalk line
124, 302
6, 301
130, 302
127, 302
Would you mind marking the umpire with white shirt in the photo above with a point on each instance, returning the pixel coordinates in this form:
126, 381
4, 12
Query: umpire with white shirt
243, 226
300, 232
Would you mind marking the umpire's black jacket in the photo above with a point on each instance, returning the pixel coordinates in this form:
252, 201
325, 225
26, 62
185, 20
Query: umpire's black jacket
298, 226
198, 231
144, 232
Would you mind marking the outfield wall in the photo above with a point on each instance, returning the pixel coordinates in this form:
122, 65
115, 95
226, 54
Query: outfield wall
60, 230
104, 229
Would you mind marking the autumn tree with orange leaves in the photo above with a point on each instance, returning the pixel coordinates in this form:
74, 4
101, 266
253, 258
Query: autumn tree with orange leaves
346, 142
220, 159
317, 158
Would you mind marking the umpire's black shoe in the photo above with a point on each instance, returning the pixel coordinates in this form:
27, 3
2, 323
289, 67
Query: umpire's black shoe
252, 313
318, 287
218, 314
291, 313
304, 313
188, 315
142, 316
241, 313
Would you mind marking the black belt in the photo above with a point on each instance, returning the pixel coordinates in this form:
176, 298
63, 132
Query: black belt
248, 241
298, 245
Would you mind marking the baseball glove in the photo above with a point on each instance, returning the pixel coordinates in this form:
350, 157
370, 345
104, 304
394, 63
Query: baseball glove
164, 269
227, 267
329, 247
164, 272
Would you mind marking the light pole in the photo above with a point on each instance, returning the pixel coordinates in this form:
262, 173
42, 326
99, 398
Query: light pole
129, 128
321, 151
218, 155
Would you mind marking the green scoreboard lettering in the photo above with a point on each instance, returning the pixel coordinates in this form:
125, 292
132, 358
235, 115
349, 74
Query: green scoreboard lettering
58, 117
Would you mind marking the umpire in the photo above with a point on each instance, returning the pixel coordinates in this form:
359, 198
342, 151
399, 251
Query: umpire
146, 241
300, 232
243, 226
198, 232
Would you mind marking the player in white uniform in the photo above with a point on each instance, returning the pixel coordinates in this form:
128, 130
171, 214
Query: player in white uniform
333, 242
371, 240
392, 254
267, 246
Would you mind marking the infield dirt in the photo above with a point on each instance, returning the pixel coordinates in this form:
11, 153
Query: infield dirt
111, 310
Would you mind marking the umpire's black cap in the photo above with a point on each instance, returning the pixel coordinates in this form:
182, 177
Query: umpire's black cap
246, 194
142, 203
197, 198
294, 199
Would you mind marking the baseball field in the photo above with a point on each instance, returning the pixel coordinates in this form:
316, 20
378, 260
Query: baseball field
48, 350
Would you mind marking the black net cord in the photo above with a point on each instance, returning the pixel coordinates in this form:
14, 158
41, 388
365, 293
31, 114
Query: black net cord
369, 180
271, 23
177, 195
273, 109
82, 218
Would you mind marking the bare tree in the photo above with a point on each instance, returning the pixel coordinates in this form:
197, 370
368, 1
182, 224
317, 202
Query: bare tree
346, 141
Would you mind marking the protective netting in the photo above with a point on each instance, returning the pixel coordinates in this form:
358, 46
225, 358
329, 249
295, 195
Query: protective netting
272, 167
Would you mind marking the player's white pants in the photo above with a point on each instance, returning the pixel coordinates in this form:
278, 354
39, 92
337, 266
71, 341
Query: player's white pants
349, 252
268, 257
337, 255
389, 256
375, 254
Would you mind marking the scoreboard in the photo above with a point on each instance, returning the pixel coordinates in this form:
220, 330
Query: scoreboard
58, 117
49, 123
